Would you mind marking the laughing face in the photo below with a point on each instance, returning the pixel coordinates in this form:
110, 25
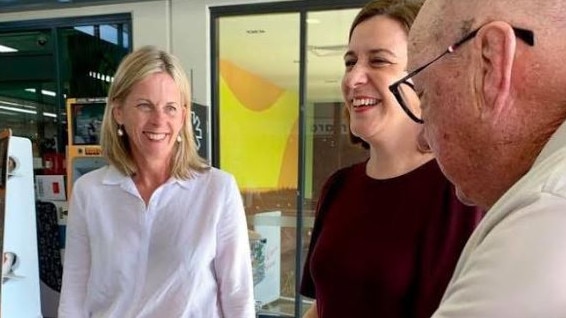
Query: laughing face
152, 115
376, 57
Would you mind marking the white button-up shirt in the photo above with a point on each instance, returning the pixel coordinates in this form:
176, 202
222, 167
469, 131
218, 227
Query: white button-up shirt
185, 254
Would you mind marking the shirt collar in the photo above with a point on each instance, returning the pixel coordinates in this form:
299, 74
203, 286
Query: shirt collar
113, 177
554, 144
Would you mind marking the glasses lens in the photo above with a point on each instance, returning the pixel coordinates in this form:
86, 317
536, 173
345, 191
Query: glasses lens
410, 101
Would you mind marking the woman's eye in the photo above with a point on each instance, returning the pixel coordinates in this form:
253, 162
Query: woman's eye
171, 109
419, 94
349, 63
144, 107
379, 61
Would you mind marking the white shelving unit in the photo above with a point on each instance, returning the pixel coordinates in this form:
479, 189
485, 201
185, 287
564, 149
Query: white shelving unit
20, 295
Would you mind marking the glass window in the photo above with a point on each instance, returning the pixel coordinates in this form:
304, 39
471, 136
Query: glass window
259, 141
328, 139
269, 143
43, 66
90, 55
28, 89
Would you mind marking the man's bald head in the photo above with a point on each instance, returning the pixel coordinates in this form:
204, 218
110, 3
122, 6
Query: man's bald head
498, 96
443, 21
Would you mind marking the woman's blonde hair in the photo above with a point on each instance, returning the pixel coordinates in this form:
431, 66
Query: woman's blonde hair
134, 68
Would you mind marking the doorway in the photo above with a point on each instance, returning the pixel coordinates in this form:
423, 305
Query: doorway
278, 127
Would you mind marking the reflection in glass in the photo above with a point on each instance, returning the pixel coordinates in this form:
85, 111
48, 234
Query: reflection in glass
35, 81
259, 107
259, 131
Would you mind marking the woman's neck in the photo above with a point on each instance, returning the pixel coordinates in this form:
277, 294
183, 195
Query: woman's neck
390, 162
149, 177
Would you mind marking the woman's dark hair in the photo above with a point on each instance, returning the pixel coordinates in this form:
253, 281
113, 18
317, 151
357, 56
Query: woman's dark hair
404, 11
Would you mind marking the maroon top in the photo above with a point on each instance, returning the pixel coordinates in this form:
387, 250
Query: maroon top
387, 247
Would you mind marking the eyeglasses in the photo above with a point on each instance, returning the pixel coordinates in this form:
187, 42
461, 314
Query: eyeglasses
400, 90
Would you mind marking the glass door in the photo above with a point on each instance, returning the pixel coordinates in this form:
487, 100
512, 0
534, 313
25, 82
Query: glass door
259, 107
327, 134
279, 128
43, 66
28, 89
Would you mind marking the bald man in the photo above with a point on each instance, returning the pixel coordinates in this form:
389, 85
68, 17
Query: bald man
492, 79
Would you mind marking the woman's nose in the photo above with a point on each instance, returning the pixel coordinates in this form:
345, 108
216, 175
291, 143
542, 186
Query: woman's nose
158, 115
356, 76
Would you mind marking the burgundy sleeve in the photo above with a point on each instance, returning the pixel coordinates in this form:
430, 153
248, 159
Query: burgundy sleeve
328, 190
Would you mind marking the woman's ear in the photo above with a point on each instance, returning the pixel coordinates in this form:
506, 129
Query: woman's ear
497, 46
422, 143
186, 109
117, 114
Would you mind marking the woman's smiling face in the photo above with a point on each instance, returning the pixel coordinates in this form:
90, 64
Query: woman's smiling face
152, 115
376, 57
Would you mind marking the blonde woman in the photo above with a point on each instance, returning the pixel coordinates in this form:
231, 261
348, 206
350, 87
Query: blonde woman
157, 232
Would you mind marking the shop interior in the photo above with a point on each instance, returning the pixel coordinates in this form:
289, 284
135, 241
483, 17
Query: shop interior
54, 79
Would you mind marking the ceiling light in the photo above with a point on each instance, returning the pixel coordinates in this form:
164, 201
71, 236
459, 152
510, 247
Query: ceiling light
102, 77
25, 111
8, 103
19, 110
7, 49
43, 91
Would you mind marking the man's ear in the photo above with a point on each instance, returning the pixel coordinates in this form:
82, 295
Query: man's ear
498, 44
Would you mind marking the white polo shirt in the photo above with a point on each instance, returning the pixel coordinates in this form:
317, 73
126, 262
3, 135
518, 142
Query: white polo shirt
514, 264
